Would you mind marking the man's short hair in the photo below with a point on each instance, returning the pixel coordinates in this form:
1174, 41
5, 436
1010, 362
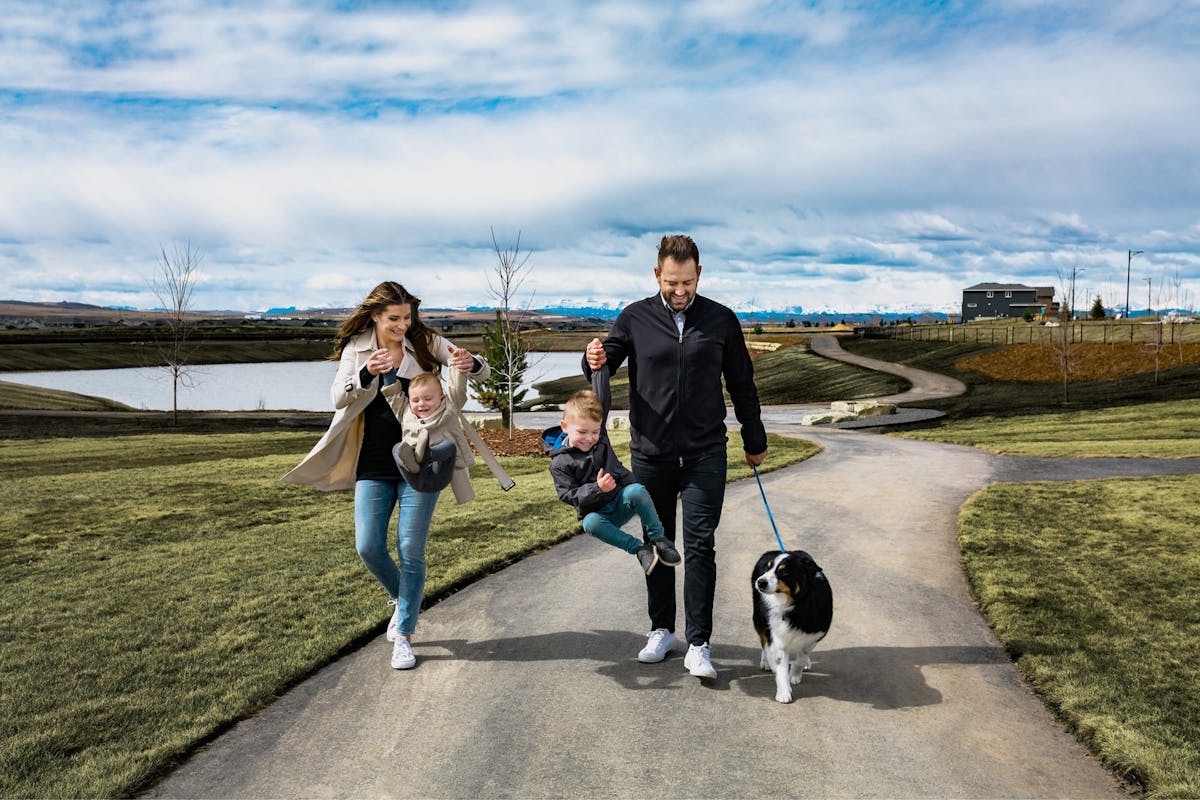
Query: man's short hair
678, 248
584, 404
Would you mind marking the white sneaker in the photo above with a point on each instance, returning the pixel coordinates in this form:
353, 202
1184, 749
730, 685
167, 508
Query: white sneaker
658, 644
698, 661
394, 622
402, 654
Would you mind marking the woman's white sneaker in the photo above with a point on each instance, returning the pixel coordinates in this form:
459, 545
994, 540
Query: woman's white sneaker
402, 654
394, 622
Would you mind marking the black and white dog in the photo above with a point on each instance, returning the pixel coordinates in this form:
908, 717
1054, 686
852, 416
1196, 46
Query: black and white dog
793, 606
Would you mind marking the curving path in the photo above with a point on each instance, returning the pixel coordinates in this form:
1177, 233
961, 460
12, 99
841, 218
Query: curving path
925, 385
527, 684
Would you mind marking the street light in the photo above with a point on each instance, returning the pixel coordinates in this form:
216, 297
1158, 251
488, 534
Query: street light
1128, 262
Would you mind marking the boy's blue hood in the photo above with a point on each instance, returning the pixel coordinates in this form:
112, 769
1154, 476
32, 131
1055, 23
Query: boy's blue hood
554, 438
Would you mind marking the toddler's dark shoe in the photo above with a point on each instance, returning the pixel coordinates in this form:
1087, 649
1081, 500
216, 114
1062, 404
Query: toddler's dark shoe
667, 553
648, 557
407, 457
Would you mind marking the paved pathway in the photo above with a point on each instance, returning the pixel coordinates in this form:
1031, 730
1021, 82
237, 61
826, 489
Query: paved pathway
925, 385
527, 684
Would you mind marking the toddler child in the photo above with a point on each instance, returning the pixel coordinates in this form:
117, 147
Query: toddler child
433, 451
588, 475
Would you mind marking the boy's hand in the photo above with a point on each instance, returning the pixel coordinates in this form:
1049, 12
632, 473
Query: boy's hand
605, 481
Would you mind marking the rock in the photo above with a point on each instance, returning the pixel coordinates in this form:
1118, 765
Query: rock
827, 417
863, 408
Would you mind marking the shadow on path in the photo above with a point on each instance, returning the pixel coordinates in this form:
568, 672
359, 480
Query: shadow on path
885, 678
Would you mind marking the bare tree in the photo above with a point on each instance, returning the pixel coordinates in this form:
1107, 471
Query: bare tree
1066, 351
506, 351
174, 285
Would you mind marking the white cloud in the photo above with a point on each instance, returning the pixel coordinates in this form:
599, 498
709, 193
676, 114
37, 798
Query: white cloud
812, 151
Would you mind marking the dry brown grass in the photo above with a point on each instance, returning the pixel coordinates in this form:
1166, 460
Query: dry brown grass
1088, 361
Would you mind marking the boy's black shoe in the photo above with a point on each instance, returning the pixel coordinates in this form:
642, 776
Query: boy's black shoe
667, 553
647, 557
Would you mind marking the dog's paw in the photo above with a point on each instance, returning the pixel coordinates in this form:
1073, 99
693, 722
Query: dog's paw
783, 697
795, 677
807, 663
764, 663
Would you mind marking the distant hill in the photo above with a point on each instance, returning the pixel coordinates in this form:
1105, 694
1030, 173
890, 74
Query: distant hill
19, 312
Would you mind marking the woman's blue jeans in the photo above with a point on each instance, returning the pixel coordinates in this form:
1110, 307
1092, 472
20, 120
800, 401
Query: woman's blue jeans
605, 524
373, 504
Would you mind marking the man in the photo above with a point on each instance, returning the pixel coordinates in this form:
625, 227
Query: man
679, 346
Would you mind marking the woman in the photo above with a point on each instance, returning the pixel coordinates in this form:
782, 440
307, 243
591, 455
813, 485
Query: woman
381, 346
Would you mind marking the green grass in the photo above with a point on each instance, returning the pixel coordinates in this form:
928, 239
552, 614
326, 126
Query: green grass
21, 397
1164, 430
1094, 587
158, 587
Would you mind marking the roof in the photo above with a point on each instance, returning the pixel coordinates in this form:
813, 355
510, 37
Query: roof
991, 287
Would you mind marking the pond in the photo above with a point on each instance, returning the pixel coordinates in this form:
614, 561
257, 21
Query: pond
278, 386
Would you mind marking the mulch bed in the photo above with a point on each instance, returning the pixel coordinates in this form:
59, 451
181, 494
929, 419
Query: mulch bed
523, 442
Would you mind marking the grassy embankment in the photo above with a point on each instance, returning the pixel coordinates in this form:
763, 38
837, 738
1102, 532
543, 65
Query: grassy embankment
155, 588
1093, 586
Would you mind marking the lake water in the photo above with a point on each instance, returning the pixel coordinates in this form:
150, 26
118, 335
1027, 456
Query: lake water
289, 385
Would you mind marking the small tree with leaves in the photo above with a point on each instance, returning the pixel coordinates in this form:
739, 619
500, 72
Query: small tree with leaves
174, 285
1098, 310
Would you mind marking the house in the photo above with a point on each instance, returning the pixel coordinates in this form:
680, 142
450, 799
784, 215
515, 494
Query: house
1006, 300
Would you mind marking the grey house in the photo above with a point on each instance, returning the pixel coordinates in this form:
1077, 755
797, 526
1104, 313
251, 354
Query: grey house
1005, 300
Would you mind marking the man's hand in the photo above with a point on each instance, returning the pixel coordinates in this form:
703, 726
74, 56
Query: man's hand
605, 481
755, 459
596, 357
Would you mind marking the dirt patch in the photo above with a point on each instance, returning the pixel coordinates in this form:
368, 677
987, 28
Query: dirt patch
523, 443
1090, 361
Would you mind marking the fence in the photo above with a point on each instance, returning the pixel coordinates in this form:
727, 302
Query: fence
1107, 332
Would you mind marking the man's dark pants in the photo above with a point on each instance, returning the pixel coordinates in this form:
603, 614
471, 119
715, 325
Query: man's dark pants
699, 481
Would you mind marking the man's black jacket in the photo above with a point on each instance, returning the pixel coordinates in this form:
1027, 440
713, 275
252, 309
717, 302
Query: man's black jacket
676, 408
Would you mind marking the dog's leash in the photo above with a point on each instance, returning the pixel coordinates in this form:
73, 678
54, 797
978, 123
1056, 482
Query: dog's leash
770, 516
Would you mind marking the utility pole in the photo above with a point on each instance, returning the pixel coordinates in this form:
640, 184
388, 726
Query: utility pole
1128, 263
1149, 311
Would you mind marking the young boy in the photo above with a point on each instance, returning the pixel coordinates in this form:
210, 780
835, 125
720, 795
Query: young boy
588, 475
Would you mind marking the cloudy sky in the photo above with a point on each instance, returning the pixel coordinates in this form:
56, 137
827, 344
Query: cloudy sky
837, 155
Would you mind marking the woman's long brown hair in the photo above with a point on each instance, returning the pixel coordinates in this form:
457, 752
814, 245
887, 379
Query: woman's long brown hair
389, 293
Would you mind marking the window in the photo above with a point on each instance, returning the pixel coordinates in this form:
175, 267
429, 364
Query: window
1008, 295
970, 305
991, 295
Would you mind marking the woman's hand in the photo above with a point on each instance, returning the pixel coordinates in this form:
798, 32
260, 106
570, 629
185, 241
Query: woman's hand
380, 362
461, 359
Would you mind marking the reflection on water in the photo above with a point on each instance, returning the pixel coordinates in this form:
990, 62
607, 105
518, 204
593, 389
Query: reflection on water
289, 385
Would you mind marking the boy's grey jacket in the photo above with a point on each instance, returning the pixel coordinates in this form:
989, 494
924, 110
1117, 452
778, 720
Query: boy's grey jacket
574, 471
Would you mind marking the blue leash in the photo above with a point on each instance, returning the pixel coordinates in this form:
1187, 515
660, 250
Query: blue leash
770, 516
